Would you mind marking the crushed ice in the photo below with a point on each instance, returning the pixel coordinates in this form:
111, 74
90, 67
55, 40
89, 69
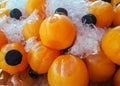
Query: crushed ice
13, 28
88, 38
31, 41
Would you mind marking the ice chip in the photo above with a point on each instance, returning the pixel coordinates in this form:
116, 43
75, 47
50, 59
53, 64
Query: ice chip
33, 17
31, 41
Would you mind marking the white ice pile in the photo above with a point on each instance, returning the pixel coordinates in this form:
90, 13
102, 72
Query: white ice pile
13, 28
88, 41
76, 8
10, 26
88, 38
